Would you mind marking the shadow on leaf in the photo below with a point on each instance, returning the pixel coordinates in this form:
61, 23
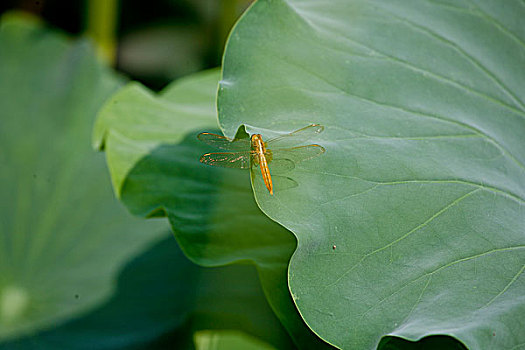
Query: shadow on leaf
162, 298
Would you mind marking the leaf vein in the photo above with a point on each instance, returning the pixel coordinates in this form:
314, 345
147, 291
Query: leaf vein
498, 25
516, 276
469, 57
404, 236
495, 190
409, 283
415, 112
439, 78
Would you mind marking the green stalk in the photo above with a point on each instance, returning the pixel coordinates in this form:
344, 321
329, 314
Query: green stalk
102, 18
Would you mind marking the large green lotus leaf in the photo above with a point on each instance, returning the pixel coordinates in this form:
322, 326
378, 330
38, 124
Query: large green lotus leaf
162, 301
153, 155
63, 237
413, 222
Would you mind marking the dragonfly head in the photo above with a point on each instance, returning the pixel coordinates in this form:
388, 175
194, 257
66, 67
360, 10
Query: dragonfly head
259, 146
256, 138
257, 142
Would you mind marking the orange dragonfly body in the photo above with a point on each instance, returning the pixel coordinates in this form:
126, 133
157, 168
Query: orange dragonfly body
277, 153
260, 156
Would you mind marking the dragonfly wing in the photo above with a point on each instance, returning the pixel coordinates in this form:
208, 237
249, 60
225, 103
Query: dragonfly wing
298, 154
280, 183
296, 137
239, 160
281, 166
225, 143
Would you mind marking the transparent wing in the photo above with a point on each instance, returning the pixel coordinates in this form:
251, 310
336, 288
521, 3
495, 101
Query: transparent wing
280, 183
296, 137
239, 160
280, 166
225, 143
297, 154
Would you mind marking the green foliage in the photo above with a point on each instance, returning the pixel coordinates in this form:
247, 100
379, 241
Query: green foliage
60, 225
407, 233
76, 271
412, 222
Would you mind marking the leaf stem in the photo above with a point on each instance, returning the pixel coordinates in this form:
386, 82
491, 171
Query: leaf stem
102, 18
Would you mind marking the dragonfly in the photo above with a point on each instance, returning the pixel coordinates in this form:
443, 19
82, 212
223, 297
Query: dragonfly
280, 153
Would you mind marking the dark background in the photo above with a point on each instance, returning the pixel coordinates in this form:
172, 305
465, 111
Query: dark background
158, 41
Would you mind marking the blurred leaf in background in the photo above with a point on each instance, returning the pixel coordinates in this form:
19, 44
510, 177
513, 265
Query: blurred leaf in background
76, 271
59, 222
178, 37
156, 41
